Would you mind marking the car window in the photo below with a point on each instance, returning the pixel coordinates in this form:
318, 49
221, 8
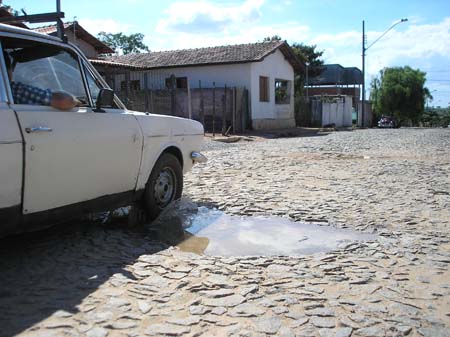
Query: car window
94, 86
37, 70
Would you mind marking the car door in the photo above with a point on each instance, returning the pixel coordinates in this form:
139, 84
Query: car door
71, 156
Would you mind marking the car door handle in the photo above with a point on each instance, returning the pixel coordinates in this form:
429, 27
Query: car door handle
38, 129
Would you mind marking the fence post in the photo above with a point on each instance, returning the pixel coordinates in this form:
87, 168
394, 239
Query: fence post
233, 107
214, 110
127, 90
172, 95
189, 100
224, 112
202, 105
147, 101
152, 105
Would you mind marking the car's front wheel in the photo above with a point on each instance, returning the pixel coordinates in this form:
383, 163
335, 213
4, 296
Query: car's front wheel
164, 185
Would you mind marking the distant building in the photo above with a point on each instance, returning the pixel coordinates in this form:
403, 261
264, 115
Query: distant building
335, 79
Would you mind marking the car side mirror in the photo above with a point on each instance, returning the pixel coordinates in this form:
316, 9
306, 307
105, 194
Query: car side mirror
105, 98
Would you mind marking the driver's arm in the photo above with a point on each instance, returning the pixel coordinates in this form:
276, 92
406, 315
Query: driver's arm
63, 100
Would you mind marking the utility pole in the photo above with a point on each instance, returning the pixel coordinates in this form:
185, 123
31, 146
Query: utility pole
307, 83
364, 49
363, 97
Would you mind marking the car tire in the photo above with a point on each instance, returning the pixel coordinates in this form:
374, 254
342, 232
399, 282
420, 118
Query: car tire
164, 185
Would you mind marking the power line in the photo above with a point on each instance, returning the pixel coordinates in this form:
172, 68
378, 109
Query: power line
437, 71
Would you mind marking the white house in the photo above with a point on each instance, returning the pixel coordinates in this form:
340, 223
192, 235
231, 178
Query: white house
265, 69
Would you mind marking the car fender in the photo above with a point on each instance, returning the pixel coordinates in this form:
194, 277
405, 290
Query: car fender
162, 133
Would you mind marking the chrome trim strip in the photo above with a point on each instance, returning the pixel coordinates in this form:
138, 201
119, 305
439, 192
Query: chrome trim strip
189, 134
156, 136
11, 142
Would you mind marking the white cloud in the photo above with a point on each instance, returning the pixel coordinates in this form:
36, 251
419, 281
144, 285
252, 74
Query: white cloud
205, 23
236, 35
207, 17
95, 26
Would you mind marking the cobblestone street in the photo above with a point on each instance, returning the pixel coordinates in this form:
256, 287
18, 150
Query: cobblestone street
99, 281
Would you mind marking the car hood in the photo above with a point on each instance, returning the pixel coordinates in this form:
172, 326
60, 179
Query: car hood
154, 125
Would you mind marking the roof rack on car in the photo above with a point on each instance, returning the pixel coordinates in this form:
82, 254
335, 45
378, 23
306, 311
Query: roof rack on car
40, 18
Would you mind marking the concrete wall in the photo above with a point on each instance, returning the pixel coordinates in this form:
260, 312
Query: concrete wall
338, 113
332, 110
368, 116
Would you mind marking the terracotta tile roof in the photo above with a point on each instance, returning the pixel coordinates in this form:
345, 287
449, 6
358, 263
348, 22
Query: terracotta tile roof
243, 53
51, 29
113, 64
80, 32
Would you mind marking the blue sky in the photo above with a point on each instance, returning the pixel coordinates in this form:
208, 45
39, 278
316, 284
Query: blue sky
334, 26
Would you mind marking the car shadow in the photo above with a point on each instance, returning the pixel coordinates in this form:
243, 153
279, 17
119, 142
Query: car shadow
54, 270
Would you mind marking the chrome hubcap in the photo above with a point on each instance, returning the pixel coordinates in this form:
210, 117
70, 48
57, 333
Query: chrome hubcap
165, 187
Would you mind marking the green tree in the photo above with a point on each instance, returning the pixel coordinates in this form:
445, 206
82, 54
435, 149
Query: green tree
311, 56
10, 9
435, 117
400, 92
307, 54
273, 38
126, 44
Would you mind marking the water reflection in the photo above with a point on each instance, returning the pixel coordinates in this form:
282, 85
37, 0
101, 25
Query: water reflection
213, 232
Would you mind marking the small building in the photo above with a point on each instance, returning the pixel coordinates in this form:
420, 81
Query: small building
336, 81
265, 69
76, 34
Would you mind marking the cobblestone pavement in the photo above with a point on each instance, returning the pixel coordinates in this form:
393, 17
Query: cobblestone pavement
96, 281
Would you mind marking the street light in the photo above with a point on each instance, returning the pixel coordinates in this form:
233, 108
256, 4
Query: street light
364, 49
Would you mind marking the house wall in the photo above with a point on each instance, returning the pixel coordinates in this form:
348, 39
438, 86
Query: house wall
231, 75
85, 47
268, 115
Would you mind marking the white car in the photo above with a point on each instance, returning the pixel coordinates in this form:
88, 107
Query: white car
58, 164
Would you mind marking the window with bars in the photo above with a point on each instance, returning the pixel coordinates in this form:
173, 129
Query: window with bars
263, 89
180, 82
282, 91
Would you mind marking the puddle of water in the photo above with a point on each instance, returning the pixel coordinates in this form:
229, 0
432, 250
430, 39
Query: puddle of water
212, 232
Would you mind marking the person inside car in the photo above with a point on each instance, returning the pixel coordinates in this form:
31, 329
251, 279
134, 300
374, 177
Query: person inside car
27, 94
